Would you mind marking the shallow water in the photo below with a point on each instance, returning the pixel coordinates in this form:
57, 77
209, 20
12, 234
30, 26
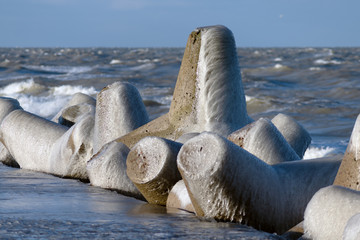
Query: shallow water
36, 205
319, 87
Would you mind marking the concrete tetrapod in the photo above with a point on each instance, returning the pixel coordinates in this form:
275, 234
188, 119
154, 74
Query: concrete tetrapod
179, 198
352, 228
73, 114
227, 183
77, 106
208, 95
72, 150
349, 172
151, 166
298, 138
262, 139
119, 110
7, 105
30, 139
107, 169
329, 211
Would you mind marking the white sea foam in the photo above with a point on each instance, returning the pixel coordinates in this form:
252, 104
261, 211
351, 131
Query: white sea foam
278, 66
326, 62
115, 61
41, 100
318, 152
71, 90
145, 66
143, 60
21, 87
59, 69
278, 59
248, 98
314, 69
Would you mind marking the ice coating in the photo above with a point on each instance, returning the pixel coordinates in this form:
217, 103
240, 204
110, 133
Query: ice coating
208, 94
7, 105
262, 139
179, 198
30, 138
329, 211
349, 173
151, 166
107, 169
216, 187
119, 110
228, 183
298, 138
187, 136
71, 115
221, 105
76, 99
72, 150
352, 228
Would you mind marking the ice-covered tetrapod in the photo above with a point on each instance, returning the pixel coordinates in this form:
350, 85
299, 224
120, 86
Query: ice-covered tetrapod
30, 138
208, 95
298, 138
79, 105
72, 150
228, 183
262, 139
352, 228
179, 198
7, 105
119, 110
151, 166
329, 211
349, 171
107, 169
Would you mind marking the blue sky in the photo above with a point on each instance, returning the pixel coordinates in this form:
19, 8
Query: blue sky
167, 23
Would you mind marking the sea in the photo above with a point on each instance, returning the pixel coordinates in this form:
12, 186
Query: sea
319, 87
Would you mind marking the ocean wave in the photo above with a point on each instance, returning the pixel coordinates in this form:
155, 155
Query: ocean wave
26, 87
71, 90
315, 69
318, 152
41, 100
326, 62
58, 69
115, 61
142, 67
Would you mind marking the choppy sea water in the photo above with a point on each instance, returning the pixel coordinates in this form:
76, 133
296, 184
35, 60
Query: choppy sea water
319, 87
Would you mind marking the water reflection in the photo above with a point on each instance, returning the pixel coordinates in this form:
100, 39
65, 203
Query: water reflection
37, 205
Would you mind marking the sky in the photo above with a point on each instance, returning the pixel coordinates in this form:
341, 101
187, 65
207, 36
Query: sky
168, 23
